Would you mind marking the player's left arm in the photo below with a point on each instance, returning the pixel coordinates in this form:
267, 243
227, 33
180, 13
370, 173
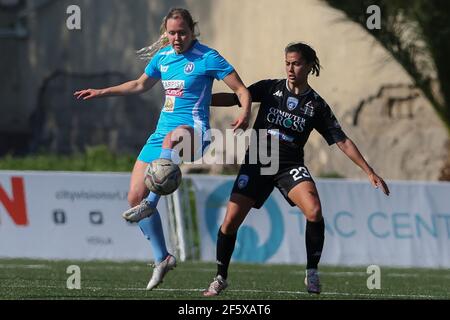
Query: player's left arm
224, 99
351, 150
234, 82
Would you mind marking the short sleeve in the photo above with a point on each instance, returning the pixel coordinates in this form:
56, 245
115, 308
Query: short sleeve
328, 126
259, 89
217, 67
153, 70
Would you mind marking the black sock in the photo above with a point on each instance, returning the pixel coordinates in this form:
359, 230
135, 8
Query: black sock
315, 237
225, 248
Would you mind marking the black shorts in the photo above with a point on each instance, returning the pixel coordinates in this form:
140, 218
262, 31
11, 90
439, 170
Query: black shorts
252, 184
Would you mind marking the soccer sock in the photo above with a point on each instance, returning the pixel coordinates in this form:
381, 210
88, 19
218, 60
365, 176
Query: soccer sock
153, 198
152, 226
315, 237
225, 248
170, 154
153, 230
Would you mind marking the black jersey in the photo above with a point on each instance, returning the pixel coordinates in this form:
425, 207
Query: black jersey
291, 118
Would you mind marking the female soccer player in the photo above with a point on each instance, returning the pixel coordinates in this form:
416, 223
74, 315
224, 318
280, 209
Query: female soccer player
187, 70
290, 109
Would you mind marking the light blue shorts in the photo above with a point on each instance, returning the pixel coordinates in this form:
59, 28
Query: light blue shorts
152, 149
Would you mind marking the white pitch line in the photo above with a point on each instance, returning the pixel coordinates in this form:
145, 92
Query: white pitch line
293, 293
301, 272
143, 268
136, 268
404, 275
24, 266
414, 296
323, 293
339, 274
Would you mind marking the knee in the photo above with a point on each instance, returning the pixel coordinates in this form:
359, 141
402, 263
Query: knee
177, 135
184, 129
314, 214
229, 227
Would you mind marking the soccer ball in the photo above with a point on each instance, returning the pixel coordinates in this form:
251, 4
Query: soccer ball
162, 177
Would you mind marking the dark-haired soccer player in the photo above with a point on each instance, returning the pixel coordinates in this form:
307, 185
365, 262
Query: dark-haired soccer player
290, 109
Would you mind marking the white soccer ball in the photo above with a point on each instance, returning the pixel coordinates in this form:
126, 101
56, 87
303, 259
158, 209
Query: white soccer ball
162, 177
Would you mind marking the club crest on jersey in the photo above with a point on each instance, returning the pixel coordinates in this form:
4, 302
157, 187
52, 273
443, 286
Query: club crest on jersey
189, 68
292, 103
243, 181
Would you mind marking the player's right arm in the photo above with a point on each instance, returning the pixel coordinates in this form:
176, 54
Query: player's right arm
144, 83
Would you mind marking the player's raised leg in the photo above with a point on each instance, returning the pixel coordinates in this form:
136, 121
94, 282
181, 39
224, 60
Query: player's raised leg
150, 226
137, 190
147, 207
145, 213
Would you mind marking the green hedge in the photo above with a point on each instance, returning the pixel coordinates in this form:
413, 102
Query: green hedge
95, 159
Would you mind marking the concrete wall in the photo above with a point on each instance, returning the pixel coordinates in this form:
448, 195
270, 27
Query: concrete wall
251, 35
12, 89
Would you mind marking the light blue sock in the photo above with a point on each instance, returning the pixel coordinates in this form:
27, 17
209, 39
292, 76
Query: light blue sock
167, 154
170, 154
153, 198
152, 228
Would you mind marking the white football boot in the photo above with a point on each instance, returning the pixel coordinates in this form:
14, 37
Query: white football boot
216, 287
139, 212
160, 271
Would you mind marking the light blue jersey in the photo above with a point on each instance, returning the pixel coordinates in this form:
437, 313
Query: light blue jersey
187, 79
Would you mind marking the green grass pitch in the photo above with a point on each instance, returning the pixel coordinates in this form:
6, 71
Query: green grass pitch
42, 279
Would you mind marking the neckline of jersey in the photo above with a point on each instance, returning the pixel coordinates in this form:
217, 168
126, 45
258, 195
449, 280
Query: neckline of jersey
299, 95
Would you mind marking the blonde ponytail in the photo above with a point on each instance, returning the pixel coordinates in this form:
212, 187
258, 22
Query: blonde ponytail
147, 53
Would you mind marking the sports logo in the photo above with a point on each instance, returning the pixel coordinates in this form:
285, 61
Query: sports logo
174, 88
243, 181
164, 68
292, 103
308, 109
279, 93
280, 135
169, 104
286, 120
189, 68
